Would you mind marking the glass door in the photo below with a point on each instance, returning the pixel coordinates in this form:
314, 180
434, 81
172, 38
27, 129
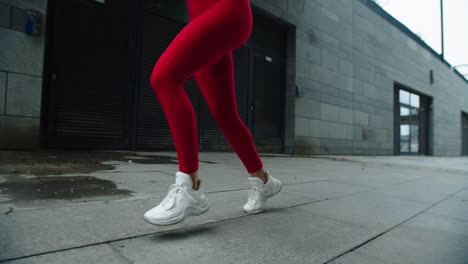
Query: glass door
410, 120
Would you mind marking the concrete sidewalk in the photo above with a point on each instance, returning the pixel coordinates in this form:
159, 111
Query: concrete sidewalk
333, 209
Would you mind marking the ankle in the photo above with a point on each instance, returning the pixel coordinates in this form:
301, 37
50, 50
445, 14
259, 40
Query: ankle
196, 184
263, 177
261, 174
195, 180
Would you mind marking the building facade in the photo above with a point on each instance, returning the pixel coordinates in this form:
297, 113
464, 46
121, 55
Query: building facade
315, 77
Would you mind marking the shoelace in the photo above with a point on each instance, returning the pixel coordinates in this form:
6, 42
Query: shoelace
169, 201
254, 195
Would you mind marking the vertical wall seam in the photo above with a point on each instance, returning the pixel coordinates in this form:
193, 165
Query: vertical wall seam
6, 93
11, 17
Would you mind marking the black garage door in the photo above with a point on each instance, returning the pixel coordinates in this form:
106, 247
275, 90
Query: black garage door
101, 54
89, 89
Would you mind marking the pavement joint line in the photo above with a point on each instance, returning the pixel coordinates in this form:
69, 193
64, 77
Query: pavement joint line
375, 188
184, 227
400, 198
118, 171
330, 198
449, 217
361, 185
133, 237
232, 190
456, 171
120, 254
176, 229
394, 227
137, 199
236, 217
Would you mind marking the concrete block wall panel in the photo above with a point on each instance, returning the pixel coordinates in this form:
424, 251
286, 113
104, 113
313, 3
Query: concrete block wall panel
5, 15
24, 95
19, 133
21, 69
21, 53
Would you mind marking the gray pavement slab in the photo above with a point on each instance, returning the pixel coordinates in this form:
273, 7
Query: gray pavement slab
41, 230
428, 190
463, 194
287, 236
452, 164
321, 190
369, 209
142, 184
140, 176
62, 227
375, 180
134, 167
295, 171
103, 254
412, 191
338, 203
450, 182
374, 175
454, 207
228, 205
356, 258
427, 238
252, 239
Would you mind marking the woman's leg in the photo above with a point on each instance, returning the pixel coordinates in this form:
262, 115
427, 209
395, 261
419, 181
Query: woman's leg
221, 28
216, 82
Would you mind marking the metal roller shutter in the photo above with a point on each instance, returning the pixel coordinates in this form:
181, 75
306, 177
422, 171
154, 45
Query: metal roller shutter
91, 89
211, 136
102, 56
152, 129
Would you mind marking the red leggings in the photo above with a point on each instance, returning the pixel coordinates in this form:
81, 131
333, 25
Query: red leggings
204, 48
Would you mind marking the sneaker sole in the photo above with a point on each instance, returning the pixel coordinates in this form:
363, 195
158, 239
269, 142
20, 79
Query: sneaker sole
188, 212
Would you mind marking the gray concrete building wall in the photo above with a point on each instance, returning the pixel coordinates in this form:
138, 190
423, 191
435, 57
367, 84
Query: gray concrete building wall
343, 57
346, 59
21, 70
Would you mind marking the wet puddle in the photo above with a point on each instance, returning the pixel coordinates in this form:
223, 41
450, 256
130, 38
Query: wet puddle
56, 162
22, 189
25, 174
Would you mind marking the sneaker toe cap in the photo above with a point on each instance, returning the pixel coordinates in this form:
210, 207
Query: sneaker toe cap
157, 215
252, 209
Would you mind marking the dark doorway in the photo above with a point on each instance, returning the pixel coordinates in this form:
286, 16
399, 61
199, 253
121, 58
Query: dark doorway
464, 134
268, 60
412, 122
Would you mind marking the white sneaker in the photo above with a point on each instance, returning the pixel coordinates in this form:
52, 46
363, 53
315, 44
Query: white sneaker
181, 201
260, 192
